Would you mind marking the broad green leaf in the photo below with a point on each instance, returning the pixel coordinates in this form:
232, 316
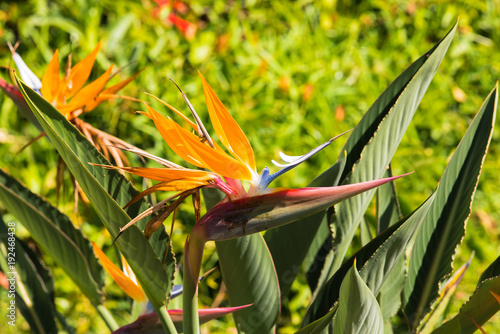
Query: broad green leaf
371, 149
319, 325
367, 153
358, 310
249, 274
33, 285
480, 308
376, 261
492, 271
388, 213
364, 232
319, 252
250, 277
109, 191
439, 309
290, 244
319, 247
444, 226
55, 234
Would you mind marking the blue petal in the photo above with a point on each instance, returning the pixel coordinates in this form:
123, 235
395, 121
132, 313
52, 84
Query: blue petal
177, 291
264, 180
292, 161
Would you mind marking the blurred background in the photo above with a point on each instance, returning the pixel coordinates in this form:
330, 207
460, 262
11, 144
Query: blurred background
293, 74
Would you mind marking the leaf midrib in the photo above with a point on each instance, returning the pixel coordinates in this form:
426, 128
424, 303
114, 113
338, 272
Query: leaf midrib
66, 237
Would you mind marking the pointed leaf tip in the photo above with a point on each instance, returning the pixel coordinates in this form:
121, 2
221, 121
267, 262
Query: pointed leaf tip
255, 214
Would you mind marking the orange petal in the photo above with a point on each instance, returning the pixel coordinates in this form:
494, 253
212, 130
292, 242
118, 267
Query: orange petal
187, 120
178, 185
128, 271
169, 174
165, 127
115, 88
51, 80
190, 148
87, 96
124, 282
228, 131
144, 113
80, 73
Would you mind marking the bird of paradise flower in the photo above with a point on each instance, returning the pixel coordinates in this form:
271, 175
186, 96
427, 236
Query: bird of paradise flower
72, 98
220, 170
243, 211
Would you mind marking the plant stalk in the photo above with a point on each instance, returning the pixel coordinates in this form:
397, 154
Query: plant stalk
166, 321
107, 317
193, 252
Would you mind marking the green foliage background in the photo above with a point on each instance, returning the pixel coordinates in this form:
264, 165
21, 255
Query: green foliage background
293, 74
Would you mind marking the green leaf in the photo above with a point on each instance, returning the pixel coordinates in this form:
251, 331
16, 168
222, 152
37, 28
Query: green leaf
373, 143
376, 260
492, 271
290, 244
319, 251
480, 308
249, 274
369, 151
100, 184
440, 307
250, 277
33, 289
388, 213
358, 310
55, 234
319, 325
444, 226
365, 234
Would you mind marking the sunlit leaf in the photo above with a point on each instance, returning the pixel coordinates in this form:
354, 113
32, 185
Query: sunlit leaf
98, 183
444, 226
358, 310
55, 234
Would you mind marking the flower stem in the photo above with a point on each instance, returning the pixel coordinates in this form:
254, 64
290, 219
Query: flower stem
193, 251
107, 317
166, 321
190, 321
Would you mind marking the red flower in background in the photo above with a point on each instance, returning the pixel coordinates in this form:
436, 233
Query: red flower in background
187, 28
